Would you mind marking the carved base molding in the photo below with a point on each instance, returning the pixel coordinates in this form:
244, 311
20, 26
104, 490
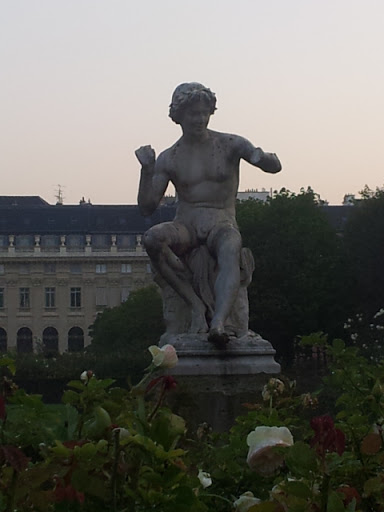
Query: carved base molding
248, 355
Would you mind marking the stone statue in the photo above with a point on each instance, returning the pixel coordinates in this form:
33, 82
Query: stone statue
199, 257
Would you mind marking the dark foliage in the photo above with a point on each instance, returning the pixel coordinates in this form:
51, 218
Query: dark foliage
298, 282
364, 244
129, 329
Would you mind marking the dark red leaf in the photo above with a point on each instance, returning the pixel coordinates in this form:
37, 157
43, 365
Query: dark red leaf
14, 457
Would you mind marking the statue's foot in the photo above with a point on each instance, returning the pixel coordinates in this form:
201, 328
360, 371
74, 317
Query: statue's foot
218, 335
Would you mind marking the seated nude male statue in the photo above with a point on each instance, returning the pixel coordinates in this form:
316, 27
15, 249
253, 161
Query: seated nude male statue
203, 165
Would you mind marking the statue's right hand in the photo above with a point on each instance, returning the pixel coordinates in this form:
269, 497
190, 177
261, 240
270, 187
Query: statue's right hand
146, 156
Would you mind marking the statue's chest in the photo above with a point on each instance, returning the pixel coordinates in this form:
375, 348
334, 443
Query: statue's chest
196, 165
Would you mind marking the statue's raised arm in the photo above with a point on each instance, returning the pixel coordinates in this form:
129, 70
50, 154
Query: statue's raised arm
153, 180
267, 162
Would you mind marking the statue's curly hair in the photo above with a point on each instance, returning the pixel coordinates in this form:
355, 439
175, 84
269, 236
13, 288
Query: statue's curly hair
184, 94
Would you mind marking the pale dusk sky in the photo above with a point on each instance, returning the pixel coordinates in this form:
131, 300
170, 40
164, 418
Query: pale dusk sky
86, 82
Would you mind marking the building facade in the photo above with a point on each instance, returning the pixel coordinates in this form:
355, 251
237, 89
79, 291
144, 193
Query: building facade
62, 265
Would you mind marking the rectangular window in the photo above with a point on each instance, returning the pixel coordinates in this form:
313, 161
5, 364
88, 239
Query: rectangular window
49, 268
126, 268
50, 297
75, 299
75, 268
24, 298
1, 269
124, 294
101, 297
1, 298
101, 268
149, 268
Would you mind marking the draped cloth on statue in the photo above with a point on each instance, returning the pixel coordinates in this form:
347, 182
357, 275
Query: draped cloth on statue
201, 272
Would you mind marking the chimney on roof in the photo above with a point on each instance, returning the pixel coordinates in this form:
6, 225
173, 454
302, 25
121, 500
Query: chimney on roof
59, 196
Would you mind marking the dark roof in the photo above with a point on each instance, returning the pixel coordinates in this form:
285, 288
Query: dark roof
82, 219
22, 201
33, 215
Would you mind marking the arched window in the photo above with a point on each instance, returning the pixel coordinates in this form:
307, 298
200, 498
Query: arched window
75, 339
3, 340
24, 340
50, 341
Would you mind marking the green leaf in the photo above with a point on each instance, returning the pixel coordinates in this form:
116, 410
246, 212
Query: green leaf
316, 338
166, 428
267, 506
9, 363
76, 384
90, 484
60, 450
374, 486
71, 420
87, 451
100, 384
338, 346
70, 397
184, 497
102, 446
335, 503
299, 489
301, 459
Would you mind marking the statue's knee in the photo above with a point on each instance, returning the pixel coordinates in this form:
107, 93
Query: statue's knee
151, 241
237, 244
233, 245
230, 250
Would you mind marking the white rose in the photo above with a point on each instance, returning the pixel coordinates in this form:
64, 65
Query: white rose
278, 385
164, 357
266, 393
205, 478
123, 433
86, 375
245, 502
262, 457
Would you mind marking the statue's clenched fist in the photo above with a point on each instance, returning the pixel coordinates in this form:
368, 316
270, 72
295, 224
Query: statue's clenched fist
146, 156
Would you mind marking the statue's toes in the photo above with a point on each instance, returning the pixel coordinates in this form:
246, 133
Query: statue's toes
218, 336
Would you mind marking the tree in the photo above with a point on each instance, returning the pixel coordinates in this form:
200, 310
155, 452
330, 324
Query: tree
126, 331
296, 287
364, 244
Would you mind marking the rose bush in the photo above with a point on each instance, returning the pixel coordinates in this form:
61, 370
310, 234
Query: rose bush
114, 449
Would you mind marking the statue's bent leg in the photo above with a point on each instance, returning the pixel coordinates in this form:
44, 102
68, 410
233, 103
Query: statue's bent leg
227, 246
163, 243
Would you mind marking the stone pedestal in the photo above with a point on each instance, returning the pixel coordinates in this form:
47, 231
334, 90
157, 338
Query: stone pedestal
214, 381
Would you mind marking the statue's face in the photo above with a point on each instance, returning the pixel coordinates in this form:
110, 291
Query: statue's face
195, 118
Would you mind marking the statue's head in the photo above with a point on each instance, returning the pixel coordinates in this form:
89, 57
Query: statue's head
186, 94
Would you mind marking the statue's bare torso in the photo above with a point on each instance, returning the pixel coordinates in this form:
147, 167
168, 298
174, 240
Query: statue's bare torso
207, 175
206, 180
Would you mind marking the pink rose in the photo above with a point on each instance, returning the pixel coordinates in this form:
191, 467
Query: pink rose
164, 357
